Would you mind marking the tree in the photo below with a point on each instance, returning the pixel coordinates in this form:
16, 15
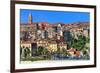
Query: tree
20, 52
26, 52
79, 43
39, 50
42, 51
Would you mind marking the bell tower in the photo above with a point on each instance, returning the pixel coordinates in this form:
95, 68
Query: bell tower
30, 18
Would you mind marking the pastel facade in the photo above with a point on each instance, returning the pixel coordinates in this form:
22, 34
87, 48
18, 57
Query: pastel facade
52, 47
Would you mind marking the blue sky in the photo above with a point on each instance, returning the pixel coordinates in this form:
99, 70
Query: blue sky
54, 16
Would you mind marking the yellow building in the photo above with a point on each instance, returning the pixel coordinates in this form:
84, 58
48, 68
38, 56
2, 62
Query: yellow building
62, 46
52, 46
43, 43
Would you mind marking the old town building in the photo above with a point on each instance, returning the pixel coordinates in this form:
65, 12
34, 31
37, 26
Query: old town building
50, 36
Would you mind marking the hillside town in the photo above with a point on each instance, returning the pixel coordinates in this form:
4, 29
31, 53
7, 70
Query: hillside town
46, 41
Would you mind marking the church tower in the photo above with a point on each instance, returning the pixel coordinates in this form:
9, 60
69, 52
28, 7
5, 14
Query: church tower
30, 18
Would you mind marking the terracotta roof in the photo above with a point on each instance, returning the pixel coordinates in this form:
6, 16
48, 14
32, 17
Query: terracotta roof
26, 31
28, 23
71, 50
26, 42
